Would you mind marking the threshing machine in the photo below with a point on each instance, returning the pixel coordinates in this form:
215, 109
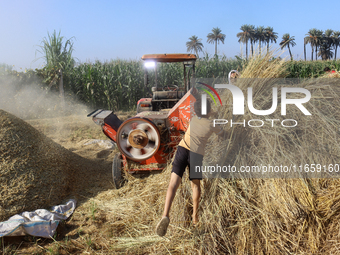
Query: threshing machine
147, 141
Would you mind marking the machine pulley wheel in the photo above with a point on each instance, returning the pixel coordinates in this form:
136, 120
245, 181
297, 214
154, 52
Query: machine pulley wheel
138, 138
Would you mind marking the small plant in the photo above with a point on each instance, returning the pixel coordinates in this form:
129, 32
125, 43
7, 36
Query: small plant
80, 231
66, 240
10, 249
88, 241
93, 210
52, 251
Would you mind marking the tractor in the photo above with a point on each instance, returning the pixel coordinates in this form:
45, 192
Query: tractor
167, 95
148, 141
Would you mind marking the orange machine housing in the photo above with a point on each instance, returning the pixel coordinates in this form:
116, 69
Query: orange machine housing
148, 140
173, 124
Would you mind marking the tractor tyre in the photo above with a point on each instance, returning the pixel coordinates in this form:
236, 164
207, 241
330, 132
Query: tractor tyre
117, 170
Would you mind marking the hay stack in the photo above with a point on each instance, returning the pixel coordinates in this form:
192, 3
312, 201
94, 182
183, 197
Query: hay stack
279, 216
248, 216
35, 172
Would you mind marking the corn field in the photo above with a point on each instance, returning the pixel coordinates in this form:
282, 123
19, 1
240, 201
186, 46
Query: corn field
310, 69
119, 84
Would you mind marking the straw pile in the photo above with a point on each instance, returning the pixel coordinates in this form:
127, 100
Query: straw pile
36, 172
247, 216
238, 216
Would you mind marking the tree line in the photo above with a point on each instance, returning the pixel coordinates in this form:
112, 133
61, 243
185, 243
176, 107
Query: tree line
325, 43
119, 84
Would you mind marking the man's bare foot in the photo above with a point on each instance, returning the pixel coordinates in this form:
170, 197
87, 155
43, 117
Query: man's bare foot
195, 220
162, 226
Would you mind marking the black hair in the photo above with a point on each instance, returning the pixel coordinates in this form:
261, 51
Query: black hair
198, 110
326, 69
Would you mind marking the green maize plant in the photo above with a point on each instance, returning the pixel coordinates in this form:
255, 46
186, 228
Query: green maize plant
310, 69
119, 84
113, 85
217, 67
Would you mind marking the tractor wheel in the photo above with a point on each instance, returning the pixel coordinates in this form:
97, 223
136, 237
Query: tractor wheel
117, 170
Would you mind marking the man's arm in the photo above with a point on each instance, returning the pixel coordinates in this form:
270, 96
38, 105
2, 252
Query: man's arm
222, 133
194, 92
218, 130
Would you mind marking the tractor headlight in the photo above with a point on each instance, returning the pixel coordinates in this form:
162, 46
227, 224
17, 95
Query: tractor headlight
149, 64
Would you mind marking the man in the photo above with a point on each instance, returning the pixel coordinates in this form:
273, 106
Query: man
190, 149
328, 71
232, 76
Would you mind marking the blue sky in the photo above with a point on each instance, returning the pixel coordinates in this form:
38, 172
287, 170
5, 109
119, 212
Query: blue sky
105, 30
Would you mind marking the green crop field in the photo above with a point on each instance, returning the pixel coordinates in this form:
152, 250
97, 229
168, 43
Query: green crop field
119, 84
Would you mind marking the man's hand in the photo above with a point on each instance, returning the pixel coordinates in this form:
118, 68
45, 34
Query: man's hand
194, 91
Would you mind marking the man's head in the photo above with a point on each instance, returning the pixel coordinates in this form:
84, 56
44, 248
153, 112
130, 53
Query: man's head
326, 69
233, 75
198, 109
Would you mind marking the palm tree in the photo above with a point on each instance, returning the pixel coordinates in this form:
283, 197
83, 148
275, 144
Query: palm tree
215, 37
194, 45
336, 42
310, 39
325, 44
245, 36
252, 38
328, 37
325, 51
318, 41
270, 36
304, 46
260, 36
288, 41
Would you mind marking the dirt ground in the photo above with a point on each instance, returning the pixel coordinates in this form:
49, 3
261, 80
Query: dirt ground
85, 231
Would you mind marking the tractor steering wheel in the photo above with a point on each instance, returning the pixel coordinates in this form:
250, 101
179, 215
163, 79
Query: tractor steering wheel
170, 88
